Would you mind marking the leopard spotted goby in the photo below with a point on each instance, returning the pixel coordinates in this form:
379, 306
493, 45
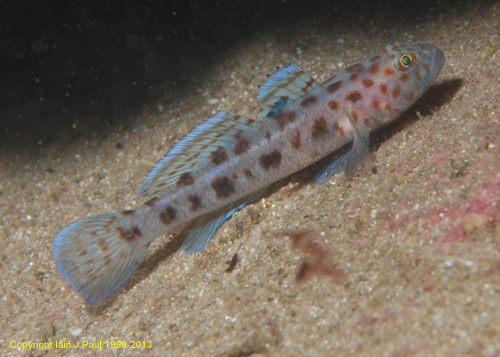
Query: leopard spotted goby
229, 160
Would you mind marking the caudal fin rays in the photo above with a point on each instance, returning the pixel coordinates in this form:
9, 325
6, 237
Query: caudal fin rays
93, 258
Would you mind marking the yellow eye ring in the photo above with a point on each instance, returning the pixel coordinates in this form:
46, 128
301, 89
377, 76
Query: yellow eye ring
406, 60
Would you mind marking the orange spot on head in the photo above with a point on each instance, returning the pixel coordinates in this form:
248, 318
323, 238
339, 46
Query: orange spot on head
384, 89
353, 77
367, 82
396, 92
404, 77
376, 104
418, 75
389, 71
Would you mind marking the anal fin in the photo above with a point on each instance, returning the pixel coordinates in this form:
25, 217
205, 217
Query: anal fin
200, 235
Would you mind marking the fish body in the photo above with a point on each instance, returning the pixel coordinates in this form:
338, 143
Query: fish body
227, 161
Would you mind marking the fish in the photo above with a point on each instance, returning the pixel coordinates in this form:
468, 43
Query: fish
228, 161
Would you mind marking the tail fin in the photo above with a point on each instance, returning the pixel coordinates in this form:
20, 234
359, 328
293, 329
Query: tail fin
94, 258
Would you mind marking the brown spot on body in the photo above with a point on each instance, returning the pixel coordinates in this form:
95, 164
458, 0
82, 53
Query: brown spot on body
129, 235
353, 96
273, 159
128, 212
387, 106
389, 71
195, 201
248, 173
284, 118
296, 140
374, 68
152, 202
333, 104
308, 101
319, 127
353, 77
384, 89
355, 115
334, 86
238, 134
223, 187
404, 77
338, 128
410, 96
167, 215
185, 179
355, 68
219, 156
241, 147
101, 243
396, 92
376, 104
367, 82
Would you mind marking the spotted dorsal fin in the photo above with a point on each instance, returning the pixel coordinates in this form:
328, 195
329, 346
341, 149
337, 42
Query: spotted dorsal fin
287, 84
196, 148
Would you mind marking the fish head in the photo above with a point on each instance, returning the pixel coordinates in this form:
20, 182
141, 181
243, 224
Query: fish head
408, 71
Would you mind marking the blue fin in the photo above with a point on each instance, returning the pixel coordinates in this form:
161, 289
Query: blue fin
360, 151
93, 258
222, 129
287, 84
202, 233
332, 168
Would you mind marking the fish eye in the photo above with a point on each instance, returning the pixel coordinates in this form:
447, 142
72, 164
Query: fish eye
406, 60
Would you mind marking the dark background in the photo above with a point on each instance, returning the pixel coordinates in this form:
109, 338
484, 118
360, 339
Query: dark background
70, 69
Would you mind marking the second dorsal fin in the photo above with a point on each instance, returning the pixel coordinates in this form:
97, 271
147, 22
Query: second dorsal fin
288, 83
196, 148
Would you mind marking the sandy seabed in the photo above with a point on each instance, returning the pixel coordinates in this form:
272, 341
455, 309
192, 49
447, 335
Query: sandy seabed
402, 259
